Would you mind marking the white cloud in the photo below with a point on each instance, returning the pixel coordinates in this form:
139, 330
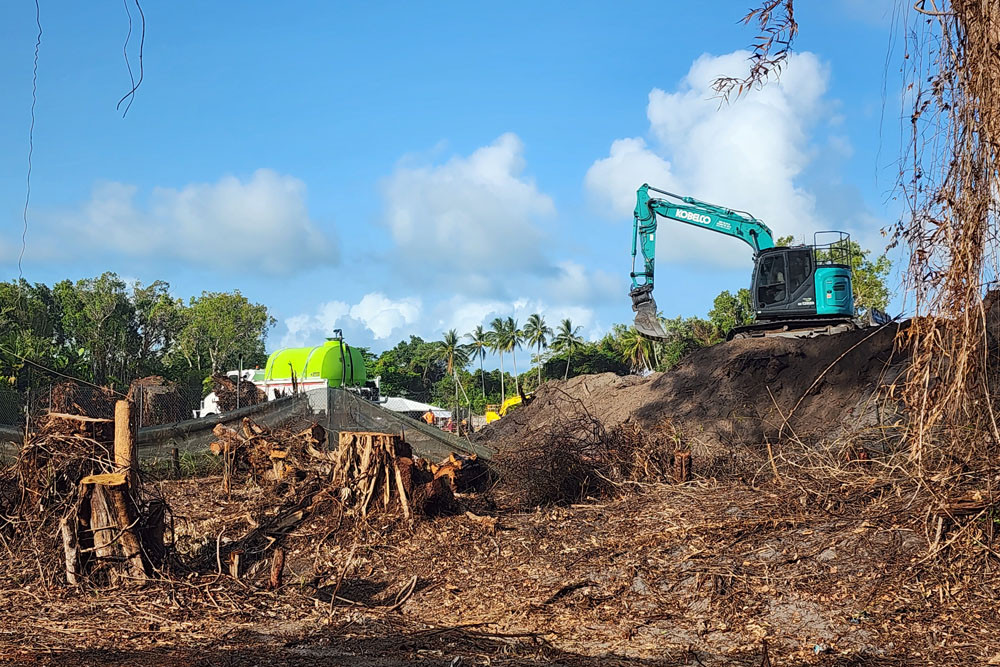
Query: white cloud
475, 215
382, 315
375, 316
745, 155
612, 181
260, 224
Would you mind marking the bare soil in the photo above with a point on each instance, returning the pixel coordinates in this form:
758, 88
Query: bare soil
699, 574
745, 390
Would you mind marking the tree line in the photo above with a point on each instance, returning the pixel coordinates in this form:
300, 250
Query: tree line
107, 332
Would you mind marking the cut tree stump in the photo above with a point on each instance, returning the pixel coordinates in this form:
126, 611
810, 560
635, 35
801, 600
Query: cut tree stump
113, 528
365, 463
682, 467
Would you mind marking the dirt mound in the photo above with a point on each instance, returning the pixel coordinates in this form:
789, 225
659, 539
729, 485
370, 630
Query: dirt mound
744, 390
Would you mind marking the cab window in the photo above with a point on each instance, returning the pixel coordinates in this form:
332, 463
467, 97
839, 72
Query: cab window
771, 280
799, 268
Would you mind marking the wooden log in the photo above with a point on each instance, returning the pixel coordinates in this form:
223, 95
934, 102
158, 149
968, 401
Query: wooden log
277, 567
71, 549
79, 418
126, 458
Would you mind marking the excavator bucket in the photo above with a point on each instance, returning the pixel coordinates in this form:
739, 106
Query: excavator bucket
646, 321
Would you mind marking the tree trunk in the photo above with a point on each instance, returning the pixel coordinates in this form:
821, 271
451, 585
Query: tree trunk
482, 375
539, 364
566, 372
113, 526
516, 386
503, 393
125, 450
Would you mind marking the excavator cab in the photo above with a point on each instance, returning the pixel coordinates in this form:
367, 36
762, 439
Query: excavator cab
804, 281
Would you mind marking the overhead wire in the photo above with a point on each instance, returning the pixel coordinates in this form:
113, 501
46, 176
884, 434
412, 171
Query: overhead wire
53, 371
31, 147
130, 95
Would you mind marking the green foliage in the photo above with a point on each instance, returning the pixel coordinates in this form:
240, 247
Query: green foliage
566, 342
220, 328
686, 336
600, 357
107, 332
730, 311
410, 369
537, 334
870, 289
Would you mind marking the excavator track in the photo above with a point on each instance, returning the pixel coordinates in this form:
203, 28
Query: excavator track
795, 328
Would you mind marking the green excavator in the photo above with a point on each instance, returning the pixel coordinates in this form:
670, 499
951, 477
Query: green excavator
797, 291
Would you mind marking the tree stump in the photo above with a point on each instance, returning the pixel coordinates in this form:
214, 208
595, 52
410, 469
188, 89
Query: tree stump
366, 464
682, 467
113, 526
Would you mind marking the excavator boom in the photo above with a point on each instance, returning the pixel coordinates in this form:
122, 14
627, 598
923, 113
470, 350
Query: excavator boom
690, 211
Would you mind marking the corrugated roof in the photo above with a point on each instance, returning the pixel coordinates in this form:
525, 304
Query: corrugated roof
400, 404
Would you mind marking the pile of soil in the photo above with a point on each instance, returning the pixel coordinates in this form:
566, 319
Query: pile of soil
751, 390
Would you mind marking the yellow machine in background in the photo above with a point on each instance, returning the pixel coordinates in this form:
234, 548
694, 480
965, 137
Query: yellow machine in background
493, 413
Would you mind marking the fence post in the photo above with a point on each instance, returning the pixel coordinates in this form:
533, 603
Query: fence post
27, 415
125, 452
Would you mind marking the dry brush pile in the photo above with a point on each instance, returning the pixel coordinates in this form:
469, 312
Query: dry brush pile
230, 394
556, 451
74, 511
366, 481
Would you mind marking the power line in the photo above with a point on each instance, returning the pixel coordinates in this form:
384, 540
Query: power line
130, 95
45, 368
31, 145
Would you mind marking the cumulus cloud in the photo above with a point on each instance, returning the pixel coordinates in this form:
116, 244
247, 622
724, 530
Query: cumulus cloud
259, 224
476, 215
746, 155
375, 316
382, 315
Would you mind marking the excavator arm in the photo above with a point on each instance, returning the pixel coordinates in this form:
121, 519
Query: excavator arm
690, 211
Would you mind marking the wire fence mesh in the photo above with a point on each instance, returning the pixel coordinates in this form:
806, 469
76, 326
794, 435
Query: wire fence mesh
154, 404
166, 416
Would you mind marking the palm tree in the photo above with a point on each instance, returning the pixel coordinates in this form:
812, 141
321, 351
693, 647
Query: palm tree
637, 350
512, 340
497, 345
537, 333
480, 341
454, 354
567, 340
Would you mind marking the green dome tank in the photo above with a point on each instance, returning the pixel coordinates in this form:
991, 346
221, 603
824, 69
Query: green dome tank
334, 361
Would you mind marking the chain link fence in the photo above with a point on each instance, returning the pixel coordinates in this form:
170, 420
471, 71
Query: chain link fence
165, 416
154, 404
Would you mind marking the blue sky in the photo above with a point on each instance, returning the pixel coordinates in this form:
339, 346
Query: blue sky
404, 168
